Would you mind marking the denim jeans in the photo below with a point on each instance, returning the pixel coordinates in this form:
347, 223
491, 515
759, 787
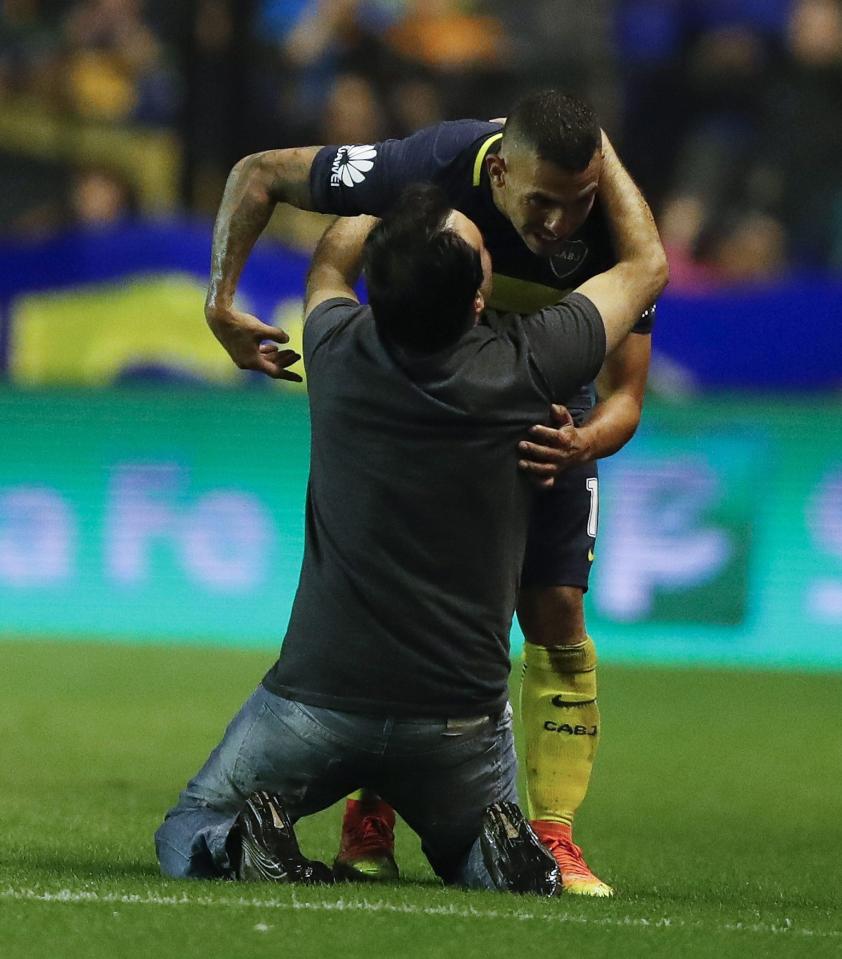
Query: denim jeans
438, 774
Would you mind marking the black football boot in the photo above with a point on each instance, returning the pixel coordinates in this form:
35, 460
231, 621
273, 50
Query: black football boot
514, 856
263, 841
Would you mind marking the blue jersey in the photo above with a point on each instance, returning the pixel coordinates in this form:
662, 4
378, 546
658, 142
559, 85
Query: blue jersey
368, 178
349, 180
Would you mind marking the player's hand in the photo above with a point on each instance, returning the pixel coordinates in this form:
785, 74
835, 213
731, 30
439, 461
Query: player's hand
278, 361
242, 335
552, 449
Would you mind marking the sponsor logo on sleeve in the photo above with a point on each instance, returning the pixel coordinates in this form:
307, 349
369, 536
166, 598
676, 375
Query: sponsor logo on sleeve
351, 164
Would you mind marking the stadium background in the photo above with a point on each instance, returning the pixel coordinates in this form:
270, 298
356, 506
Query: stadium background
149, 491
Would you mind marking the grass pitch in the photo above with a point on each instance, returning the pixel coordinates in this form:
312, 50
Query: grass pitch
715, 810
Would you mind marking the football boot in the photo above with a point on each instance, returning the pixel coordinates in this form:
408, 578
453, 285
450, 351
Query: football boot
268, 849
513, 855
576, 876
367, 848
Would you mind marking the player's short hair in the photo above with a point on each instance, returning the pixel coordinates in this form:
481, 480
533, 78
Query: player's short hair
422, 277
560, 127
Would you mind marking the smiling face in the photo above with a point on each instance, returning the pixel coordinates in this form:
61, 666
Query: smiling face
545, 204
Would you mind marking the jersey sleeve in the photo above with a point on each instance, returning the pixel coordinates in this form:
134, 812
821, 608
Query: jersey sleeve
368, 178
566, 344
322, 322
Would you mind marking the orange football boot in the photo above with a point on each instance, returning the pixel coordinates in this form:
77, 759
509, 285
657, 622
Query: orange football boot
576, 876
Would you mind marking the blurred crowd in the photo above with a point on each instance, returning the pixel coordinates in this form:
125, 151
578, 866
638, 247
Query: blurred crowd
728, 112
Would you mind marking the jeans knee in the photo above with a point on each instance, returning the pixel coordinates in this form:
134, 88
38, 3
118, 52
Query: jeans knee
173, 862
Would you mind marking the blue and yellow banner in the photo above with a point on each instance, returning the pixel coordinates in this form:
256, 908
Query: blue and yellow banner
125, 305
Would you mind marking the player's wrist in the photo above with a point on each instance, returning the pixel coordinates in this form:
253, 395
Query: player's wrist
586, 446
218, 309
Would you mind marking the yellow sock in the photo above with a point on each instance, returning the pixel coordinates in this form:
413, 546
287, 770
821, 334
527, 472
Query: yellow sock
561, 725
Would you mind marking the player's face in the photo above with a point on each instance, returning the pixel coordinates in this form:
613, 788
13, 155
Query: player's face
545, 204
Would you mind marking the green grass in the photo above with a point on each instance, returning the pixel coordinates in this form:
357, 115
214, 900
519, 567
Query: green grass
715, 810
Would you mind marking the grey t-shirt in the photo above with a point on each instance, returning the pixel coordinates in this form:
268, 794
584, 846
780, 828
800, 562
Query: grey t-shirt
416, 511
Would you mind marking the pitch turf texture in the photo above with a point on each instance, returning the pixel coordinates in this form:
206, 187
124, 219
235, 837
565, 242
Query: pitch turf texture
716, 810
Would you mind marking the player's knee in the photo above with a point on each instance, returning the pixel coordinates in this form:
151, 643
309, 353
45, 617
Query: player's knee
552, 616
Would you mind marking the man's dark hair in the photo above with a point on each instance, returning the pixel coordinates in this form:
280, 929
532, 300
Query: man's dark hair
421, 276
559, 127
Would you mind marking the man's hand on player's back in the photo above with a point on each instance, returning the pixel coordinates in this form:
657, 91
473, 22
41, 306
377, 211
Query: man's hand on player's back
550, 450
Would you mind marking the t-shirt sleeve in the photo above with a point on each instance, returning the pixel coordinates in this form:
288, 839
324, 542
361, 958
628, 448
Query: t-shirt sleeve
368, 178
566, 344
322, 322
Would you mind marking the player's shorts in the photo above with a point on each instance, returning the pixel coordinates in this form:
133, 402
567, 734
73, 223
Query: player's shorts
562, 530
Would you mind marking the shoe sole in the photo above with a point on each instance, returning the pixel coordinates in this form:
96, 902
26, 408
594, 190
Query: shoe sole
596, 888
347, 872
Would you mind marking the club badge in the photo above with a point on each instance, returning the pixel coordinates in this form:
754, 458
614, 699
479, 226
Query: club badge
569, 258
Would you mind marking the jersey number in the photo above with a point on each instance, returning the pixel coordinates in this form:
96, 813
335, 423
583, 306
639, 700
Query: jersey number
593, 488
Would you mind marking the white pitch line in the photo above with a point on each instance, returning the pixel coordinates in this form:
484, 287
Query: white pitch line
786, 927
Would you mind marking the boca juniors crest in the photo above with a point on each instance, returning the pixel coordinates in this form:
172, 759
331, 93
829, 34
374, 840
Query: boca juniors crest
569, 258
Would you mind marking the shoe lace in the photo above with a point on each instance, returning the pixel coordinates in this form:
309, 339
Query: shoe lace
370, 835
568, 856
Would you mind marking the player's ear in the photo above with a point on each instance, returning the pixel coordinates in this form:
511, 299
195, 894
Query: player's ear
496, 167
479, 306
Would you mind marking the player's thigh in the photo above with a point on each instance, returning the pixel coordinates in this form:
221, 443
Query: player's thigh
442, 788
273, 744
562, 531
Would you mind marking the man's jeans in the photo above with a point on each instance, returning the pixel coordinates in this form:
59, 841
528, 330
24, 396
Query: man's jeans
438, 774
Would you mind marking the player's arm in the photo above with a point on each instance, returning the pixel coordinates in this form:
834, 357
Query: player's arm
334, 271
345, 180
255, 185
615, 418
621, 386
624, 292
569, 338
621, 295
337, 262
